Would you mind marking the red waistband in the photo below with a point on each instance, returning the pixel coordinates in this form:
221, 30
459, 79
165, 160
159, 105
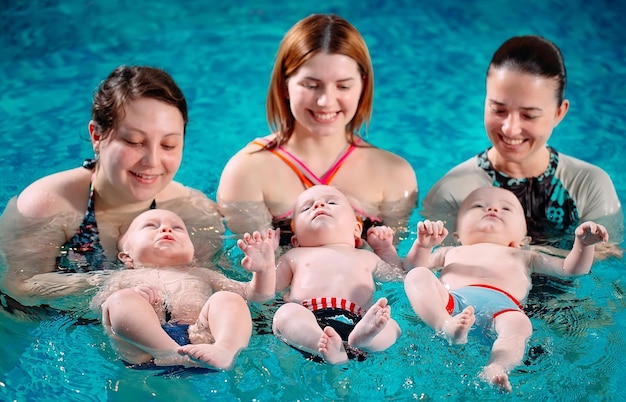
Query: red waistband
319, 303
507, 294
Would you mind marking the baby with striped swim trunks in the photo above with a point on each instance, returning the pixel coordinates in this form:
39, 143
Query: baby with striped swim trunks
330, 312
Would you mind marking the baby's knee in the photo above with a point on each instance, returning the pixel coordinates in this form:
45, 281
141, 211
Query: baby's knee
122, 297
419, 275
286, 314
226, 297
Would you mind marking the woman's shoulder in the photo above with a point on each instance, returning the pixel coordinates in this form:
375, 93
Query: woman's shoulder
65, 191
250, 150
244, 174
571, 166
579, 176
590, 186
250, 158
385, 161
177, 193
464, 177
381, 154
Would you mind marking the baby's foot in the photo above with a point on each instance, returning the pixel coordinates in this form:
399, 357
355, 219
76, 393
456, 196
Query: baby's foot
495, 374
370, 325
331, 347
456, 328
212, 356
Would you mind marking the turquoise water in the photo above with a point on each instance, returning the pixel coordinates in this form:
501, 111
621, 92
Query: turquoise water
429, 60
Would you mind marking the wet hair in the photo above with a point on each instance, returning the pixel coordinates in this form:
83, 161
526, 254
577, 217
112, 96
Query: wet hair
128, 83
317, 33
534, 55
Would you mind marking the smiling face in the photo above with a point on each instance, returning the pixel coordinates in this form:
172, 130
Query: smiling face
521, 110
158, 238
323, 215
142, 156
324, 94
491, 215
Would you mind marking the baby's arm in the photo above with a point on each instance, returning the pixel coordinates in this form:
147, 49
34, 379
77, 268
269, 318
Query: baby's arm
126, 279
429, 235
580, 258
150, 293
380, 239
259, 249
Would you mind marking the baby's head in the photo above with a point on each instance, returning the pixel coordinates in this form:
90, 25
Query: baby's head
157, 237
491, 215
323, 215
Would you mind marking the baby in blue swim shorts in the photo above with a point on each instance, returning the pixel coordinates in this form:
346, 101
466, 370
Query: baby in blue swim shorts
165, 310
484, 279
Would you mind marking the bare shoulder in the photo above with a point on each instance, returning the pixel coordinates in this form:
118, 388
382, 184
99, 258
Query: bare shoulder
242, 177
248, 156
66, 191
177, 191
382, 165
388, 158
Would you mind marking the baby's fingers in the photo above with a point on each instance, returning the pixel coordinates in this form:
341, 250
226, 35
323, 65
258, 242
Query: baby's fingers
591, 233
433, 228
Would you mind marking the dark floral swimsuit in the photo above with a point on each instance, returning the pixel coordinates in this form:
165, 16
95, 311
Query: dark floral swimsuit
83, 252
550, 210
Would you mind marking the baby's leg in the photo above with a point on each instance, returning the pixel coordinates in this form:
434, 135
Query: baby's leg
297, 326
135, 330
225, 318
429, 298
513, 329
376, 331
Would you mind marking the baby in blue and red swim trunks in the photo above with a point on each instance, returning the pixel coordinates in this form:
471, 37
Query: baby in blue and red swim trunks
482, 280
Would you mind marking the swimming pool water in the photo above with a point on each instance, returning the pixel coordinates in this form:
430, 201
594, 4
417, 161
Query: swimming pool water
429, 61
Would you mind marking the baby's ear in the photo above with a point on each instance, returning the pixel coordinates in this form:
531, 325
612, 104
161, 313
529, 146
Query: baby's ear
525, 242
358, 230
294, 241
128, 261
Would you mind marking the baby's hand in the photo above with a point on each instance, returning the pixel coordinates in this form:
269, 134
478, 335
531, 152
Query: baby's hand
259, 250
430, 234
590, 233
149, 293
380, 237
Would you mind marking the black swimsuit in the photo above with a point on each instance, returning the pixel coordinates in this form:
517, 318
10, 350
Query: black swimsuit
83, 252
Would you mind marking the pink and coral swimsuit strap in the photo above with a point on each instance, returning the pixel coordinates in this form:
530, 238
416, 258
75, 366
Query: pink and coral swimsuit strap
305, 181
307, 177
333, 302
